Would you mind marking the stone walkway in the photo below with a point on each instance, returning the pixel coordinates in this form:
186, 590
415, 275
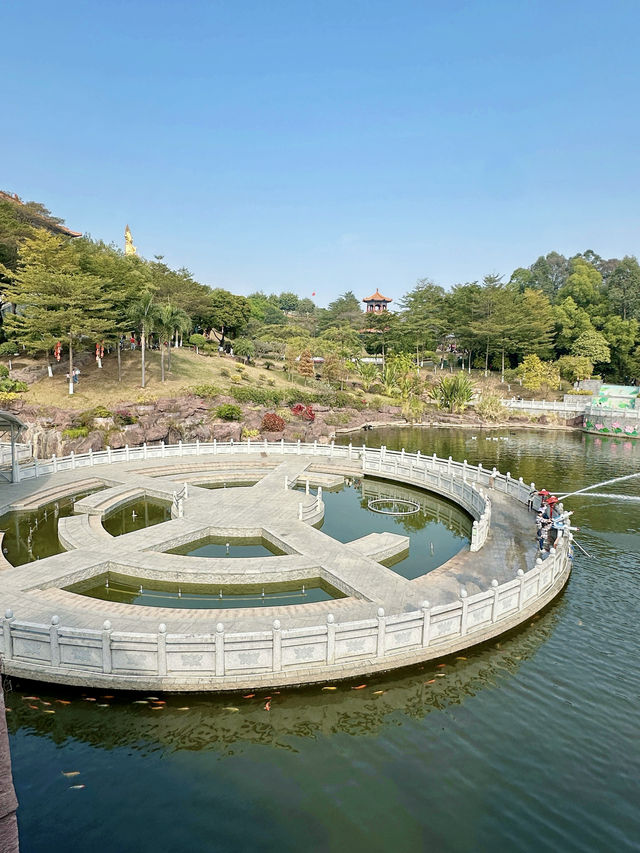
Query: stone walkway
268, 509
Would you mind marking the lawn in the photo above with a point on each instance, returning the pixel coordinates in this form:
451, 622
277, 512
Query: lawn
101, 387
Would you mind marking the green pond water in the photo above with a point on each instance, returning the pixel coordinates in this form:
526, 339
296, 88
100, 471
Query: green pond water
199, 596
529, 743
33, 535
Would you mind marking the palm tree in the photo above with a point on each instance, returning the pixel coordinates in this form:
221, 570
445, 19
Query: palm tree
143, 315
173, 321
169, 320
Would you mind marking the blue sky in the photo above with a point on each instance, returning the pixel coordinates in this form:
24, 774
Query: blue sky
325, 146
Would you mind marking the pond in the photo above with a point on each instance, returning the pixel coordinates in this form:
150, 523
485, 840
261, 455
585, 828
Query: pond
528, 743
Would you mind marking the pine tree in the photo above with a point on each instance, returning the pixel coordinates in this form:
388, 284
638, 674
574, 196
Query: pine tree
55, 299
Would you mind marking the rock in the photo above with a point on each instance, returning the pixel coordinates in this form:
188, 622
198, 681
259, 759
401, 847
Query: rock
94, 441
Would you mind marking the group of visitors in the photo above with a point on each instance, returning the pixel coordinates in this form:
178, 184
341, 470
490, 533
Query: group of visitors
550, 517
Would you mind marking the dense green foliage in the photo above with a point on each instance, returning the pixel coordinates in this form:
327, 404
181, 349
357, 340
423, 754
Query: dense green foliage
581, 314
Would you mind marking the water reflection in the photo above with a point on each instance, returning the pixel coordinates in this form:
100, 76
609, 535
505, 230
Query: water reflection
144, 721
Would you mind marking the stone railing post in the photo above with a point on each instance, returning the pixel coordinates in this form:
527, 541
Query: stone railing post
162, 649
282, 446
465, 611
539, 570
298, 447
286, 482
319, 493
382, 627
180, 447
277, 646
331, 638
54, 459
496, 594
426, 623
215, 446
350, 450
162, 449
520, 575
474, 537
106, 646
73, 460
144, 449
6, 633
126, 452
197, 447
54, 641
219, 649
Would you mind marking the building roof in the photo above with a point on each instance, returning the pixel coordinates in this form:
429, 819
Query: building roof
377, 297
40, 220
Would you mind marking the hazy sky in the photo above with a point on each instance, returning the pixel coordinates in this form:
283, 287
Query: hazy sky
328, 145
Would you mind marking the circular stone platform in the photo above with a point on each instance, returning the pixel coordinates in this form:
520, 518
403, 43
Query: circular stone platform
384, 621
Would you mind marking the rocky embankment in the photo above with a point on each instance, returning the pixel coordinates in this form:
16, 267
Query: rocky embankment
189, 418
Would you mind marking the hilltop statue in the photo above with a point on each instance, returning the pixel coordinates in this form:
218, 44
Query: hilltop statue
129, 248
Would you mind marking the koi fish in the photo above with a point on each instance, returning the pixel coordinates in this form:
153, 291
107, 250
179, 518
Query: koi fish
441, 665
267, 706
89, 699
440, 675
379, 692
359, 687
63, 702
140, 702
70, 773
46, 711
329, 688
249, 696
76, 787
105, 705
35, 707
231, 709
185, 708
460, 657
31, 698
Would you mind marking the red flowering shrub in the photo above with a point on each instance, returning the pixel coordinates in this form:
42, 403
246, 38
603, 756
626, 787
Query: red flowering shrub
272, 422
304, 412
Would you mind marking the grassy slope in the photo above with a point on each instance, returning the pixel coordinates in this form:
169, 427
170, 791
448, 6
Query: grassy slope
101, 387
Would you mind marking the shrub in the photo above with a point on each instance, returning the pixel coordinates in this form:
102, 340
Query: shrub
490, 408
12, 386
236, 379
250, 433
124, 418
4, 371
263, 396
228, 412
574, 367
304, 412
101, 412
272, 422
197, 341
224, 372
9, 348
204, 390
268, 365
453, 392
76, 432
580, 392
271, 382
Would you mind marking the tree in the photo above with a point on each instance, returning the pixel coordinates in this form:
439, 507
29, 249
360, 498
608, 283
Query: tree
623, 288
288, 301
583, 285
168, 319
344, 311
197, 341
573, 368
56, 299
549, 273
305, 365
227, 314
537, 374
143, 316
244, 348
368, 373
592, 345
